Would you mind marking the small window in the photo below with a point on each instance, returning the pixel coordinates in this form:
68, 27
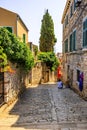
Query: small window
10, 29
63, 48
66, 21
24, 38
78, 74
71, 43
74, 40
75, 1
71, 11
66, 46
85, 33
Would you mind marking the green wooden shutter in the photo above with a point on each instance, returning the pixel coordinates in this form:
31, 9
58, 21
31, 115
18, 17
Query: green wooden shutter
9, 29
74, 40
85, 33
71, 11
24, 38
66, 45
74, 5
70, 42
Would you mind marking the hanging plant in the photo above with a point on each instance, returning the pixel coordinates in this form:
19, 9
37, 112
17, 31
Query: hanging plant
3, 58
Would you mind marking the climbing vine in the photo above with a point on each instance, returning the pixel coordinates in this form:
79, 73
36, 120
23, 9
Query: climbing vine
3, 58
16, 51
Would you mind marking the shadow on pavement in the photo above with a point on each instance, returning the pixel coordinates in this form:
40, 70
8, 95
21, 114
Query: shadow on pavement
45, 107
34, 108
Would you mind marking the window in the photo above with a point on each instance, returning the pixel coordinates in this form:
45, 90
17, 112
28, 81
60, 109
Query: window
24, 38
71, 11
78, 2
85, 33
66, 46
78, 74
10, 29
75, 1
66, 20
70, 43
73, 41
63, 48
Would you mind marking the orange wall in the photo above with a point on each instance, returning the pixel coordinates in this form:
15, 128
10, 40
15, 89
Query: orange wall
8, 18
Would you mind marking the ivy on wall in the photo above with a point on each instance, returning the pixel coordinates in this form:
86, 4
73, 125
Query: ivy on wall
3, 58
16, 51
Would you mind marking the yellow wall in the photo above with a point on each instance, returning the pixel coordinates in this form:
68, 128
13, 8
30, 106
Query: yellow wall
8, 18
21, 30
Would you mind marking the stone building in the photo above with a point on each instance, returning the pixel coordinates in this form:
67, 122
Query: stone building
74, 45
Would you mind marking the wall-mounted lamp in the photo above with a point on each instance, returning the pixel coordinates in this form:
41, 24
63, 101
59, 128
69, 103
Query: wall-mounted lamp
78, 2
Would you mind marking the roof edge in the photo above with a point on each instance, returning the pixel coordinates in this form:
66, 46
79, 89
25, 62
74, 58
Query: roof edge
17, 16
65, 10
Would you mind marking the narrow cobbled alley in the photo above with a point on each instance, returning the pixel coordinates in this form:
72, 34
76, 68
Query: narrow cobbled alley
45, 107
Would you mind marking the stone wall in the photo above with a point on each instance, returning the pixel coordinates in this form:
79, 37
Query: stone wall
36, 74
42, 74
77, 59
14, 83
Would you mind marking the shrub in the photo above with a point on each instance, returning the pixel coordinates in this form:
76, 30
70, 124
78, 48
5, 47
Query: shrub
16, 51
50, 59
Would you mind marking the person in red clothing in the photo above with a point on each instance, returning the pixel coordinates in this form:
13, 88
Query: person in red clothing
59, 73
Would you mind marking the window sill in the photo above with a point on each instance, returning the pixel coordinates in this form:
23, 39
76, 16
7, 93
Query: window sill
84, 49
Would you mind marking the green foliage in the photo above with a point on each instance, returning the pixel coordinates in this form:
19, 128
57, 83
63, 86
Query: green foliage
16, 51
47, 37
50, 59
3, 58
35, 48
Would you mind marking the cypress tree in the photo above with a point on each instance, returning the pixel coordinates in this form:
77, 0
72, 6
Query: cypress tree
47, 38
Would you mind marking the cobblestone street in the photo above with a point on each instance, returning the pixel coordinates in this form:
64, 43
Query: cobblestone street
45, 107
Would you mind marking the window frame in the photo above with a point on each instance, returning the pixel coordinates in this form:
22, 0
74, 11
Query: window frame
78, 74
84, 32
71, 10
66, 45
24, 37
7, 27
72, 42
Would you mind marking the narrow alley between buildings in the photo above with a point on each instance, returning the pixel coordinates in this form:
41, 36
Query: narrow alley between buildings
45, 107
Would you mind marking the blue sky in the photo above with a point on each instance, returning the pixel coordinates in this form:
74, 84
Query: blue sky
32, 11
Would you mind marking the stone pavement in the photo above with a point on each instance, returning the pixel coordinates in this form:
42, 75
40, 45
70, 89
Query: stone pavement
45, 107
